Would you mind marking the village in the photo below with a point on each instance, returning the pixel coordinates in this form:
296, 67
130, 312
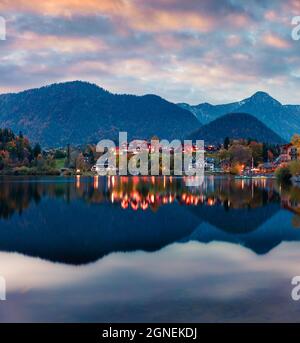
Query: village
241, 158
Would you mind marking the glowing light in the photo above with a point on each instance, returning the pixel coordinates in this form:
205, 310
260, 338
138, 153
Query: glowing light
134, 205
124, 204
96, 182
77, 181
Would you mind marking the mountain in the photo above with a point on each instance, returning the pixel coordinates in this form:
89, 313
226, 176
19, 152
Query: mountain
79, 112
236, 125
282, 119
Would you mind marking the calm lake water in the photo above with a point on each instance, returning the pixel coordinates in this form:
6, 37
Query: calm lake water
148, 249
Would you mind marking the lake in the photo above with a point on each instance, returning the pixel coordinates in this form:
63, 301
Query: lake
139, 249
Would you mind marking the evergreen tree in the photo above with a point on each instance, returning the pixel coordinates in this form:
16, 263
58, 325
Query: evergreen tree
265, 152
226, 143
37, 150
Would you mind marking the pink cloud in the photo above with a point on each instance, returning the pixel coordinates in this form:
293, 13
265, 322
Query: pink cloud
275, 41
32, 41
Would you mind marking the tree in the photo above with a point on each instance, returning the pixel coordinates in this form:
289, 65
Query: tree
90, 153
296, 141
283, 174
20, 149
236, 169
270, 155
265, 155
37, 150
257, 152
226, 143
224, 154
294, 167
68, 155
80, 163
240, 154
73, 157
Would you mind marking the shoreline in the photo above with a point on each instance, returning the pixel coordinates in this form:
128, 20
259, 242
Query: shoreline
91, 174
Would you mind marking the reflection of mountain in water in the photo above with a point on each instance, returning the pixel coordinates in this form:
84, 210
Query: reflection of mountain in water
83, 233
269, 235
236, 221
78, 223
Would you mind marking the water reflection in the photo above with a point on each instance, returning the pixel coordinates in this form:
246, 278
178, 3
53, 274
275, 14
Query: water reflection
190, 282
89, 226
81, 220
144, 193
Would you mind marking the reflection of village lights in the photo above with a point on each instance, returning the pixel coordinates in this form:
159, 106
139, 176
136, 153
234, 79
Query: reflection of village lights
134, 205
139, 194
124, 204
144, 205
77, 181
210, 202
96, 182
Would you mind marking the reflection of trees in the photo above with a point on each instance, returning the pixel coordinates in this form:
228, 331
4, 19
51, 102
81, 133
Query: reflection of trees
239, 194
296, 221
290, 200
144, 193
15, 197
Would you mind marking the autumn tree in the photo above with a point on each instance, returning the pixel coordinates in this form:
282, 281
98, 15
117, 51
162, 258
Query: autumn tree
256, 151
240, 154
296, 140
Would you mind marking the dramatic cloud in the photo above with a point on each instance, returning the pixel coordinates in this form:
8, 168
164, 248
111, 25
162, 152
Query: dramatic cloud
190, 51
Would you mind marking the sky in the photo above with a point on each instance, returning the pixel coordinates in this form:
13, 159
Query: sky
185, 51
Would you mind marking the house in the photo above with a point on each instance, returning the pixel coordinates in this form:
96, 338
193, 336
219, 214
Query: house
267, 167
211, 148
288, 152
209, 164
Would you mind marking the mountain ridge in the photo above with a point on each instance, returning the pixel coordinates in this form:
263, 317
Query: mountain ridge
282, 119
236, 126
78, 112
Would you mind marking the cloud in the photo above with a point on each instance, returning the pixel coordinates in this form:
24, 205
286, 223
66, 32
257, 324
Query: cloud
276, 42
183, 50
